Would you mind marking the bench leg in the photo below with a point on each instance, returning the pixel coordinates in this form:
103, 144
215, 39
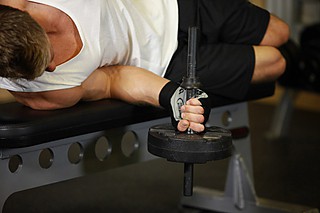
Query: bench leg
282, 115
239, 195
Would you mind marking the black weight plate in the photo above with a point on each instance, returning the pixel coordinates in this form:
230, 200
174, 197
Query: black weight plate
214, 144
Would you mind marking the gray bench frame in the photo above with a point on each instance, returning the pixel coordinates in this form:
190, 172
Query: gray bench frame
29, 172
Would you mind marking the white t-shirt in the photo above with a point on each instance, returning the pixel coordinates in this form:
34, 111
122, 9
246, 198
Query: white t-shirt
140, 33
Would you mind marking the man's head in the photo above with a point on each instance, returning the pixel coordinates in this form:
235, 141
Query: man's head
24, 45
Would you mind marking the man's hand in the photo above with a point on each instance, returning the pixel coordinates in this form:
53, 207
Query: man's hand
191, 114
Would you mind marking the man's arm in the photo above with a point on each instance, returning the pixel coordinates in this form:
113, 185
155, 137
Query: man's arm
277, 33
49, 100
138, 86
270, 64
130, 84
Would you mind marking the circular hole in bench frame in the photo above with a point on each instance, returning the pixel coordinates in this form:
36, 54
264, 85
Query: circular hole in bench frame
129, 143
75, 153
226, 118
46, 158
15, 164
103, 148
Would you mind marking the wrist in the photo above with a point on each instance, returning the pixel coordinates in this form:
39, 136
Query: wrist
166, 93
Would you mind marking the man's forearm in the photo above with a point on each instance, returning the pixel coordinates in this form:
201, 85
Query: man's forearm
131, 84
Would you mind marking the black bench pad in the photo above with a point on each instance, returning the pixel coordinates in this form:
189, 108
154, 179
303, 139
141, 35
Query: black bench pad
21, 126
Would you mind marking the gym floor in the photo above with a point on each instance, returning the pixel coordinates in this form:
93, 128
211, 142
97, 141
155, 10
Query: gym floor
286, 170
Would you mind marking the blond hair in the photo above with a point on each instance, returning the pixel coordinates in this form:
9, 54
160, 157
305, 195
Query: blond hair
24, 45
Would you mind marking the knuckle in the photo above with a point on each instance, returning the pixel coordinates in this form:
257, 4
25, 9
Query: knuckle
197, 127
201, 119
201, 110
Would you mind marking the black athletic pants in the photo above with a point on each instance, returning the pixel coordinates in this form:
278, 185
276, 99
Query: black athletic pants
228, 29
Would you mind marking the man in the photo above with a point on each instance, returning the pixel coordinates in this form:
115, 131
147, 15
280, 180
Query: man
131, 49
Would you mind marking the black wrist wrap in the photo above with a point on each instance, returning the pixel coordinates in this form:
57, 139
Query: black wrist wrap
165, 99
166, 94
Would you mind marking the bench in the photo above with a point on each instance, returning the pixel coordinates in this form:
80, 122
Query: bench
38, 148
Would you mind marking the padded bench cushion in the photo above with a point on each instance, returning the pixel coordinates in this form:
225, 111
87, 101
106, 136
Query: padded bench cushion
21, 126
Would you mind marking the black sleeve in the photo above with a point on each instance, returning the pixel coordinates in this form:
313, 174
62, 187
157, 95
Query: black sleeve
245, 23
